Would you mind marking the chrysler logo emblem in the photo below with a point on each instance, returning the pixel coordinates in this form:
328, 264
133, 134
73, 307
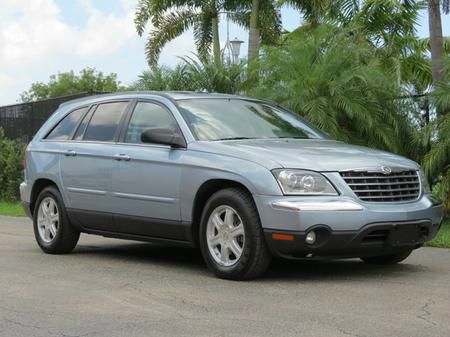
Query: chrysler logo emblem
386, 170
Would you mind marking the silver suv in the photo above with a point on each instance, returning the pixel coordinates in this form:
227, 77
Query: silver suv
240, 178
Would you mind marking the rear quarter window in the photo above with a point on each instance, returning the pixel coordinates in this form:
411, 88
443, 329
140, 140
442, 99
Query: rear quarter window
66, 127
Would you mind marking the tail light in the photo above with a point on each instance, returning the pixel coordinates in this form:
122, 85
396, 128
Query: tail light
25, 155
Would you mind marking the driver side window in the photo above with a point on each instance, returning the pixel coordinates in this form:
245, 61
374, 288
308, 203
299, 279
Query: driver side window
148, 116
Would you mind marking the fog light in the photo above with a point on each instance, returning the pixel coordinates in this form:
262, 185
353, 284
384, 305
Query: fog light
310, 238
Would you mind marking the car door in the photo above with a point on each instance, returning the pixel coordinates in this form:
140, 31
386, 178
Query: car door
86, 167
146, 177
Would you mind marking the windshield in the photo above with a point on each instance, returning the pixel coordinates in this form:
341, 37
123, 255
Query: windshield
222, 119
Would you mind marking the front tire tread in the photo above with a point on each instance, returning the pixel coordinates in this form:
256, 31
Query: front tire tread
255, 260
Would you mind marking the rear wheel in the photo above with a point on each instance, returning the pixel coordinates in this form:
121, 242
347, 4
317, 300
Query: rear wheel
52, 229
231, 237
388, 259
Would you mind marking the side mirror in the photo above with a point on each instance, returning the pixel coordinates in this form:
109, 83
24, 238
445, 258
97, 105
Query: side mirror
163, 136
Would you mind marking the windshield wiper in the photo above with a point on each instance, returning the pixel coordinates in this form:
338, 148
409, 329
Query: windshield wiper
234, 138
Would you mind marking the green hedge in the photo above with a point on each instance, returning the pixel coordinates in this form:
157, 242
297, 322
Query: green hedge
11, 170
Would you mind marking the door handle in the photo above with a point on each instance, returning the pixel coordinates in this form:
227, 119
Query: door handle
120, 157
70, 153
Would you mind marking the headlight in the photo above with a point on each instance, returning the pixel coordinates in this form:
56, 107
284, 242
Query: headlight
425, 185
299, 182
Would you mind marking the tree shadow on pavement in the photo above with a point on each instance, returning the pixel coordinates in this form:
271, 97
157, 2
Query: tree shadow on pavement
144, 252
332, 270
281, 270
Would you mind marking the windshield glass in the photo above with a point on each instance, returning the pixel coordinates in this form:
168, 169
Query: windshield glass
222, 119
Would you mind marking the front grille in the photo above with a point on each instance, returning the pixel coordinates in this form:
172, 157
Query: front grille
380, 187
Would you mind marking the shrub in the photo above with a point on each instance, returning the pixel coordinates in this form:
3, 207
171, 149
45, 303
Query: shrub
334, 80
11, 170
164, 78
194, 74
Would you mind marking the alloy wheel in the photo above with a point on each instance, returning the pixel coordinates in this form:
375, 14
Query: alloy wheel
225, 235
48, 220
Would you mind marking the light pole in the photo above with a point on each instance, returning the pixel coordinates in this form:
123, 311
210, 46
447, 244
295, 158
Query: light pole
232, 49
236, 49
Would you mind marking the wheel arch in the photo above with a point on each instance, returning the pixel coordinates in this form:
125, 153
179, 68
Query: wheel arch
204, 192
39, 185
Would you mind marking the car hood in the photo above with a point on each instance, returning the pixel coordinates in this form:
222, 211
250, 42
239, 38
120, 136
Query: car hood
311, 154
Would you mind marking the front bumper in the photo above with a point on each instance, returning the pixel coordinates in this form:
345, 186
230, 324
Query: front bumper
372, 240
345, 226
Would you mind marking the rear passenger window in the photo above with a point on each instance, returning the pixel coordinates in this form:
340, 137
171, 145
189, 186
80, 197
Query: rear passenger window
66, 127
105, 121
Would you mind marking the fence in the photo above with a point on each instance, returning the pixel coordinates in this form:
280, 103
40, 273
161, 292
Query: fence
22, 121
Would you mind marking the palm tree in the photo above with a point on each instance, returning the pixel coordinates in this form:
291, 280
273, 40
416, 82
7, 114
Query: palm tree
205, 75
437, 160
388, 26
193, 74
329, 77
171, 18
160, 78
437, 45
254, 35
261, 17
313, 11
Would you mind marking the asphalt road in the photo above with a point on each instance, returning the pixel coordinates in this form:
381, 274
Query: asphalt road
118, 288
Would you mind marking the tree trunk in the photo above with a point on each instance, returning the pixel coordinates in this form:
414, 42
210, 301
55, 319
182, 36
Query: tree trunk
436, 40
254, 35
216, 39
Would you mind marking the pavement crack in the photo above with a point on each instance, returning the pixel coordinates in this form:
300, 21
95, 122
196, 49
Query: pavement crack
425, 313
342, 330
62, 334
23, 325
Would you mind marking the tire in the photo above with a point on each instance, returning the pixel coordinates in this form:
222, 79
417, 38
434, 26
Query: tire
388, 259
235, 206
52, 229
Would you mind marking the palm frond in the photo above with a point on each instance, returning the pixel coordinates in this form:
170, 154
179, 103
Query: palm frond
203, 34
211, 77
269, 20
331, 79
171, 26
142, 15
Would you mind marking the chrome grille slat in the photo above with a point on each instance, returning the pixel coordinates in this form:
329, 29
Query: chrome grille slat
383, 177
388, 196
384, 184
379, 187
388, 190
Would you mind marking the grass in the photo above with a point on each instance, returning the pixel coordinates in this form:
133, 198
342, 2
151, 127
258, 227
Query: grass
11, 208
442, 240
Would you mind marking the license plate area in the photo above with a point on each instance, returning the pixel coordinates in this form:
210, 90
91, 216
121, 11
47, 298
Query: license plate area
403, 234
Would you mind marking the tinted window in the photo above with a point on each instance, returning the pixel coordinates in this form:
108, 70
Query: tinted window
104, 123
66, 127
82, 127
148, 116
217, 119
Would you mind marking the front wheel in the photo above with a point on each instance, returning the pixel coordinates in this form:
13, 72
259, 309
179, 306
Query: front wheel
52, 229
231, 238
388, 259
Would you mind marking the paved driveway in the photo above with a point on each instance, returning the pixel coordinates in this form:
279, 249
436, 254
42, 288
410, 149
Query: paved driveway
118, 288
